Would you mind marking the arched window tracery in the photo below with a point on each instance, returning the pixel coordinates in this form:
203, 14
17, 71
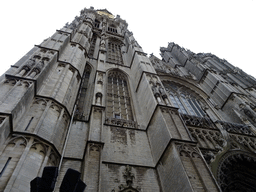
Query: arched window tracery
118, 99
185, 99
114, 54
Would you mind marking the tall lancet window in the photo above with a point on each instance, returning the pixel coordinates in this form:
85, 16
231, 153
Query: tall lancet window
114, 54
118, 99
82, 96
185, 99
92, 47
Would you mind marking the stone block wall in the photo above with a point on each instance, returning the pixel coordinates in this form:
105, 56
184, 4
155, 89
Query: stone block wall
126, 146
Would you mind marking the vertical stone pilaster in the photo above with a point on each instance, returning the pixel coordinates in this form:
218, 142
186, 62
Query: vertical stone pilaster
16, 171
96, 124
59, 121
92, 162
196, 168
42, 118
45, 161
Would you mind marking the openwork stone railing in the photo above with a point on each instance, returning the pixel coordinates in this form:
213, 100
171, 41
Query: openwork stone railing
236, 128
197, 121
121, 122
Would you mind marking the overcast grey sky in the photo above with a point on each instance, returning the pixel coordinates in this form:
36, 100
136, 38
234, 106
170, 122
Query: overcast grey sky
225, 28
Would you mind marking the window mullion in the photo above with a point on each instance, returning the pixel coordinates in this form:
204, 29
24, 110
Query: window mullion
118, 96
194, 107
115, 48
113, 97
174, 102
199, 108
184, 104
125, 101
183, 110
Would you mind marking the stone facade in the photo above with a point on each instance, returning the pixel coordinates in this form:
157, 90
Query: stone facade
89, 98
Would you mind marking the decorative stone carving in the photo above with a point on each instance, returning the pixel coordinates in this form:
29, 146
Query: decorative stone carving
18, 140
162, 92
211, 139
236, 128
56, 107
249, 114
27, 67
121, 122
158, 89
188, 150
37, 69
98, 99
53, 159
129, 176
18, 82
103, 42
36, 63
39, 147
246, 141
41, 101
169, 110
94, 147
100, 78
209, 156
198, 121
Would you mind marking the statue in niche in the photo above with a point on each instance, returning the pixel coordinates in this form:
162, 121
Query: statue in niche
155, 91
249, 114
103, 42
209, 157
162, 92
100, 78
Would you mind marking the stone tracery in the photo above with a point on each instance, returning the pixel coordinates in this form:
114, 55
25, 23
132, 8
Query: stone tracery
237, 172
118, 99
185, 99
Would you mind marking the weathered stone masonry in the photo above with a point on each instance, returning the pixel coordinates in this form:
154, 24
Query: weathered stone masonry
126, 121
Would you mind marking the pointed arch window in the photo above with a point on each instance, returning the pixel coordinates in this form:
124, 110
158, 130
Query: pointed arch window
92, 47
114, 54
81, 100
118, 99
185, 99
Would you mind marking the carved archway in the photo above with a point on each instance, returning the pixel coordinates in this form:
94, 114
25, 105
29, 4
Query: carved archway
237, 172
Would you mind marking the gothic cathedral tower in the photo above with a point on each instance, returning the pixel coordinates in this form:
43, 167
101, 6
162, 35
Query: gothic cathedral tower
89, 98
